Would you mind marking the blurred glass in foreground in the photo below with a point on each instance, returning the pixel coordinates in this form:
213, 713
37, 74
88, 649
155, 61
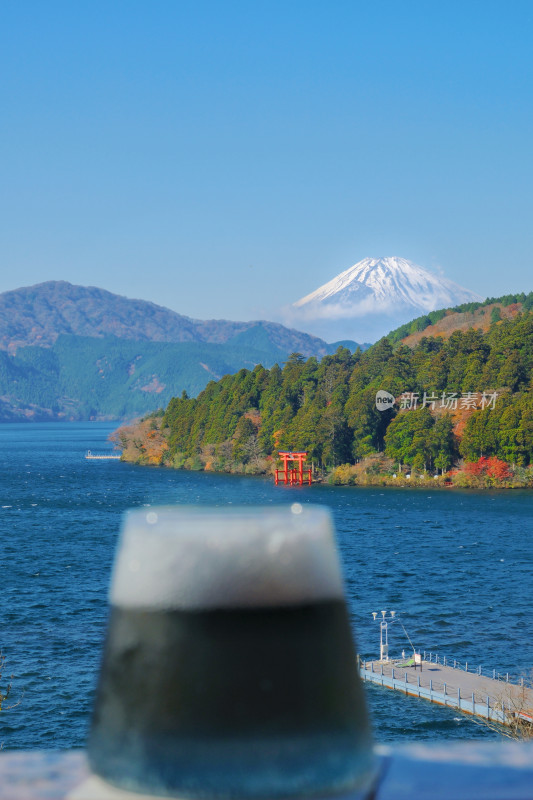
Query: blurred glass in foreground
229, 669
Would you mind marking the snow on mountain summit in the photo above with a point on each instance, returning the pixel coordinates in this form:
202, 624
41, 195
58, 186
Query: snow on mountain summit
382, 285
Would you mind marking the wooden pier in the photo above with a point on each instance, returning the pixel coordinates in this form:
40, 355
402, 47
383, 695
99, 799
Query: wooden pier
103, 457
492, 697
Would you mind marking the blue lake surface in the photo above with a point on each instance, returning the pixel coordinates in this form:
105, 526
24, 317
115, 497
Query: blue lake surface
456, 565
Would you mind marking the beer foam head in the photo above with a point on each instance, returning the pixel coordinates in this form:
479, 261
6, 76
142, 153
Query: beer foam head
202, 558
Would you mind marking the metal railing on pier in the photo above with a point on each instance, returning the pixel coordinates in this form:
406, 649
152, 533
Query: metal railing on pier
466, 666
102, 456
467, 690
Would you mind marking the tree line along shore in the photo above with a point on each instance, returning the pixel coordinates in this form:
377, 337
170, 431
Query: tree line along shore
462, 411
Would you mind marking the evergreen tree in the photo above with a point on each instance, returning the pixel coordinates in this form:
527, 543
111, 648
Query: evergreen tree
328, 407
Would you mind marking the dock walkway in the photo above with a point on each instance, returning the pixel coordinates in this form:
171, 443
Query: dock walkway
471, 692
102, 456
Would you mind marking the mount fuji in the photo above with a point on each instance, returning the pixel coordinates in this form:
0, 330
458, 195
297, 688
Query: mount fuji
373, 297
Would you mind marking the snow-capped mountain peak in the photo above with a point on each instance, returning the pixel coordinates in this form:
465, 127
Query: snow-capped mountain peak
377, 285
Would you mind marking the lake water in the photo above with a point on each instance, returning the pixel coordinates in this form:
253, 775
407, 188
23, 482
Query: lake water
456, 565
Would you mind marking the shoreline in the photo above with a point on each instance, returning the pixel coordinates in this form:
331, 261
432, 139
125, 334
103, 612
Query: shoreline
145, 443
441, 483
369, 482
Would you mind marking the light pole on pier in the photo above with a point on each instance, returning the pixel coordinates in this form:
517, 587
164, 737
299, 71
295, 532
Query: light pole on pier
383, 633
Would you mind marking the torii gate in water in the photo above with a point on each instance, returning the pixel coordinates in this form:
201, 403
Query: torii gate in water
292, 475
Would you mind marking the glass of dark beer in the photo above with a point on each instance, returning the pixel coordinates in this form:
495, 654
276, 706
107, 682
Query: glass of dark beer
229, 668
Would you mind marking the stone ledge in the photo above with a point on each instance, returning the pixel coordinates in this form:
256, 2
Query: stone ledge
458, 771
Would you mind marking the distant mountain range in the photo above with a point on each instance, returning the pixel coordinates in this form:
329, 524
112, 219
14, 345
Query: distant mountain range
75, 352
374, 296
37, 315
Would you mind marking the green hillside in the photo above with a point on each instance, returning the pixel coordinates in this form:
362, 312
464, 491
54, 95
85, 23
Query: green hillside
328, 408
85, 377
80, 352
432, 317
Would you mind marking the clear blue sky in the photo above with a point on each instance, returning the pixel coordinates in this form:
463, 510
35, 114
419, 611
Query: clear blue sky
226, 158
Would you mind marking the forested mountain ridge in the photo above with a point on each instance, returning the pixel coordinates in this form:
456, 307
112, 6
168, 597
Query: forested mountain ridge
478, 315
37, 315
74, 352
80, 378
473, 391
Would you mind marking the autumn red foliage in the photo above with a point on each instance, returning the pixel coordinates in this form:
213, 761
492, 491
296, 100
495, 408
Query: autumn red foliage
493, 467
496, 468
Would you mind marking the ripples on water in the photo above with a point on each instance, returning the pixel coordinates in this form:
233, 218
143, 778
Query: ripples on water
457, 565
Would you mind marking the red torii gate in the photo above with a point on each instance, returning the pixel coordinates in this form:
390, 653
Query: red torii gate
294, 474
